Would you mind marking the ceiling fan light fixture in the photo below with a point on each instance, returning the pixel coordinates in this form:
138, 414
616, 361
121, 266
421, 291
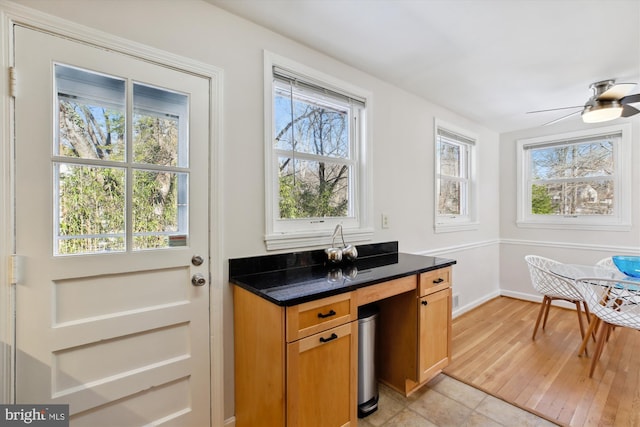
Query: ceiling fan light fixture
601, 111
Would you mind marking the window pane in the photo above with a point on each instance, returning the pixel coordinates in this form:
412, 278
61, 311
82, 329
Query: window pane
282, 130
312, 189
159, 209
90, 115
449, 202
157, 120
575, 160
573, 198
90, 209
314, 126
449, 157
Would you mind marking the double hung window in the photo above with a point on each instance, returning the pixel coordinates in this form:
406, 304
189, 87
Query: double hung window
455, 180
575, 180
316, 168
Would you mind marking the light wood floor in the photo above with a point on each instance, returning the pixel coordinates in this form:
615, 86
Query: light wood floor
493, 351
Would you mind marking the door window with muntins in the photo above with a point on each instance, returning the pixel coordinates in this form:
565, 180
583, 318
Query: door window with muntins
121, 164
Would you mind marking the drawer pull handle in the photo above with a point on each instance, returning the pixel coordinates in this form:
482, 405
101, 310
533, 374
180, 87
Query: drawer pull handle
424, 303
438, 280
329, 314
331, 338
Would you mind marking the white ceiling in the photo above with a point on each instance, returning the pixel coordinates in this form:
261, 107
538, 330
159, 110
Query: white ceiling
488, 60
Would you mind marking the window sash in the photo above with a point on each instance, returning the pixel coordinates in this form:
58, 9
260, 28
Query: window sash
296, 149
613, 139
463, 167
314, 95
618, 218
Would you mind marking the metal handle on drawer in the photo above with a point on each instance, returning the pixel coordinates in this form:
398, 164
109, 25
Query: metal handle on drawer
424, 303
438, 280
331, 338
329, 314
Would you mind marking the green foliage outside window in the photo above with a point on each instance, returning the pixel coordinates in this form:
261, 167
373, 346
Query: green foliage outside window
541, 202
91, 200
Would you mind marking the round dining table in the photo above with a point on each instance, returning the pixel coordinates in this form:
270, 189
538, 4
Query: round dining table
577, 271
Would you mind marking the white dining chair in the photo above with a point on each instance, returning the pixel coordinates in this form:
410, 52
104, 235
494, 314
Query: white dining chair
614, 303
553, 287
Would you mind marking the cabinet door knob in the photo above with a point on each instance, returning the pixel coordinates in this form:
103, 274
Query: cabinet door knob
329, 314
424, 302
331, 338
438, 280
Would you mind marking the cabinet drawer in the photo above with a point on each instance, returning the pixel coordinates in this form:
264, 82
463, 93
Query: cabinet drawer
316, 316
383, 290
434, 281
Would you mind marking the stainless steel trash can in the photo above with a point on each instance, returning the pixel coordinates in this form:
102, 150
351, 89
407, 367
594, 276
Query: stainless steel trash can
367, 381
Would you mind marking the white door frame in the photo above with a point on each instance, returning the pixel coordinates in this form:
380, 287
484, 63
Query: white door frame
10, 14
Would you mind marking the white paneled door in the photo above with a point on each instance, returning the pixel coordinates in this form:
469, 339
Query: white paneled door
111, 207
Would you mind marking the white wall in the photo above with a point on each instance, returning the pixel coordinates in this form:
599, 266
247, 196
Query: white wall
403, 142
571, 246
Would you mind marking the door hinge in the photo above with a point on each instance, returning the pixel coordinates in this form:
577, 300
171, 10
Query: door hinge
12, 82
15, 269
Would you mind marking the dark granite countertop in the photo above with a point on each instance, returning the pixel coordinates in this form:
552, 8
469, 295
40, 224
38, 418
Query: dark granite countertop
290, 279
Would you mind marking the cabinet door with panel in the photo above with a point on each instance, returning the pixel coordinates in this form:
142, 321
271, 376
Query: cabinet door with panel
322, 378
434, 329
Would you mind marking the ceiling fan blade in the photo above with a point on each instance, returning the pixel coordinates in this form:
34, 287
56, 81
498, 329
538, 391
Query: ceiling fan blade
562, 118
555, 109
630, 99
628, 111
616, 92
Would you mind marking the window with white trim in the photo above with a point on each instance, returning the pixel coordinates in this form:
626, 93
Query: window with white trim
316, 164
576, 180
455, 205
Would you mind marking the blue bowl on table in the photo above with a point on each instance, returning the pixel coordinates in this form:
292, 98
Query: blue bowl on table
629, 265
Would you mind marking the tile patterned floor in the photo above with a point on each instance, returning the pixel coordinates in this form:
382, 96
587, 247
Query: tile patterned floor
445, 402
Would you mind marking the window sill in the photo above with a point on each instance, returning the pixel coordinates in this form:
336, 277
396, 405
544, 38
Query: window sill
574, 226
447, 228
306, 240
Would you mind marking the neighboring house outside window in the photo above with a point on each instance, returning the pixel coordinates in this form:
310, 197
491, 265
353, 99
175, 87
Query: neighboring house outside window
578, 180
316, 159
455, 178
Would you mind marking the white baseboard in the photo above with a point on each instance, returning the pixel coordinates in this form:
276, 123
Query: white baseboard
535, 298
230, 422
521, 295
474, 304
505, 293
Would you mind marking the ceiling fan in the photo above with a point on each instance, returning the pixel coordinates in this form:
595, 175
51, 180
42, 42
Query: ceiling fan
608, 102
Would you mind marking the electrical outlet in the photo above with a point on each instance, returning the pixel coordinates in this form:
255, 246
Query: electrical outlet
385, 221
456, 301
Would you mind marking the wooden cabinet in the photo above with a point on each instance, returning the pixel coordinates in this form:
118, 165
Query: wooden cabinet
295, 366
322, 378
298, 366
434, 330
434, 324
414, 334
260, 372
